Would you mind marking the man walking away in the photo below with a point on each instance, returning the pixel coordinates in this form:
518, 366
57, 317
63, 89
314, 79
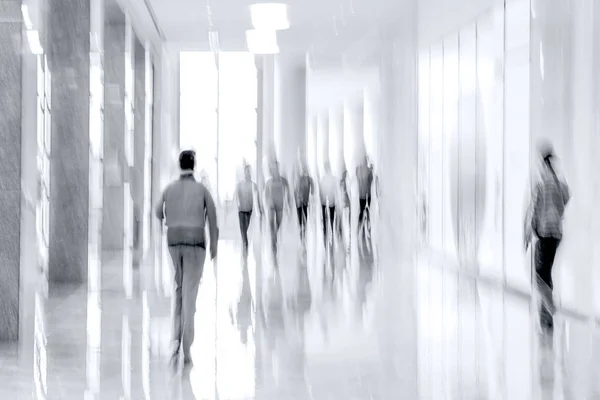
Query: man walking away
186, 204
304, 189
244, 198
329, 199
544, 220
277, 197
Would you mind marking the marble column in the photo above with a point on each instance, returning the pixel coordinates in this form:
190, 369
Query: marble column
139, 145
290, 111
10, 166
113, 219
69, 63
397, 150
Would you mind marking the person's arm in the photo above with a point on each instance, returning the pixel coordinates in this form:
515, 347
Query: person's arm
236, 197
211, 212
288, 194
159, 210
530, 216
258, 199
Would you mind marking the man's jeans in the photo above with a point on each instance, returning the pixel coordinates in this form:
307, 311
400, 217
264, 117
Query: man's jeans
188, 262
545, 252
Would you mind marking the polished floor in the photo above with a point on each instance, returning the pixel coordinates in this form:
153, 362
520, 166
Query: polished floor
307, 332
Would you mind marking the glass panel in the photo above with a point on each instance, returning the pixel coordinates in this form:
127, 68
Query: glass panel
468, 232
516, 142
436, 137
450, 149
424, 100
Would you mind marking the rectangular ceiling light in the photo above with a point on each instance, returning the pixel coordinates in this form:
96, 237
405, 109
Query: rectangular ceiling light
269, 16
262, 42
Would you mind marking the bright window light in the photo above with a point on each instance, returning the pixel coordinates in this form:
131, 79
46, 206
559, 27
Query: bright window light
262, 42
26, 17
269, 16
33, 38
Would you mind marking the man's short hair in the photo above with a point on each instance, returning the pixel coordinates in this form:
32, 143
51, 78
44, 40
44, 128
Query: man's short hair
187, 160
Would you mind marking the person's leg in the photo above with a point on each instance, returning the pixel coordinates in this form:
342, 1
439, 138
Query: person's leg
244, 225
324, 212
193, 266
299, 211
176, 302
242, 228
545, 253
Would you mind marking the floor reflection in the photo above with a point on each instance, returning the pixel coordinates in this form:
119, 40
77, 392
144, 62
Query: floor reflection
305, 330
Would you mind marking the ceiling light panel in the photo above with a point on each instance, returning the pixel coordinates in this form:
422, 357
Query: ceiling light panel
269, 16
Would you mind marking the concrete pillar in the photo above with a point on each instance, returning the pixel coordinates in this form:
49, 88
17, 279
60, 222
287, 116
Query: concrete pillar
141, 149
10, 166
69, 64
397, 150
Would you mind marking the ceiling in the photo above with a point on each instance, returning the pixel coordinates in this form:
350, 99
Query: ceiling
323, 28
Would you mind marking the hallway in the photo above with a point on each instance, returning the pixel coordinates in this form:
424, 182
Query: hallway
306, 339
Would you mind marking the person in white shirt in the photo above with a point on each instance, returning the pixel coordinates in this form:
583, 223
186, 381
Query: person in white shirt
329, 187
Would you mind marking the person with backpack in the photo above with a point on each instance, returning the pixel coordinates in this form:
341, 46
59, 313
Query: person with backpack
186, 206
544, 220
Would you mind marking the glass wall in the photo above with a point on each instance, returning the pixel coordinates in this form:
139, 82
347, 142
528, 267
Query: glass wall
474, 143
218, 116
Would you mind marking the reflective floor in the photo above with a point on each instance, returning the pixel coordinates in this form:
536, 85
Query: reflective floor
307, 332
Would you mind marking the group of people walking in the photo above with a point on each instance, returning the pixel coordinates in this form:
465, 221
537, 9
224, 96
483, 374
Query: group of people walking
186, 206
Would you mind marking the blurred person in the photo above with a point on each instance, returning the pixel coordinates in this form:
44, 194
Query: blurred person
277, 198
329, 198
345, 213
245, 192
364, 177
185, 206
303, 191
544, 217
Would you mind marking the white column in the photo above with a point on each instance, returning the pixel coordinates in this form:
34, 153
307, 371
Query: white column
290, 110
353, 132
267, 112
396, 308
336, 140
322, 140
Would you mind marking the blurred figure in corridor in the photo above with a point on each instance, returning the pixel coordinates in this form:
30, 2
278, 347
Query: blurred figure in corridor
329, 199
345, 215
364, 177
185, 205
244, 195
304, 189
544, 220
277, 198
